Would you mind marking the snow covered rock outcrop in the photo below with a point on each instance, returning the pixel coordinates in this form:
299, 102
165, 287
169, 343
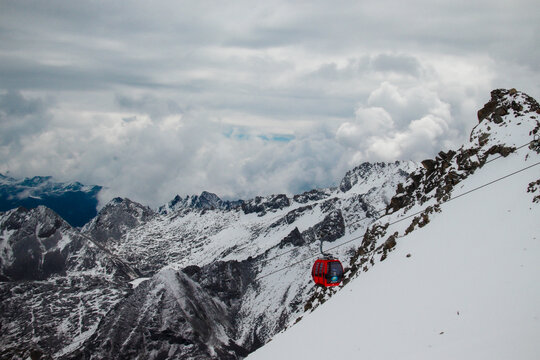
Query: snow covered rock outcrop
116, 219
205, 201
169, 316
55, 284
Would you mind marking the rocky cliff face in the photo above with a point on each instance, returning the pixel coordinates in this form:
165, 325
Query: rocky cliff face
168, 316
205, 201
116, 219
56, 284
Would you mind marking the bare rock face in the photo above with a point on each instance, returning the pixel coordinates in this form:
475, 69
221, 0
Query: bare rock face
312, 195
116, 218
295, 238
168, 316
38, 244
492, 136
56, 284
261, 205
331, 228
205, 201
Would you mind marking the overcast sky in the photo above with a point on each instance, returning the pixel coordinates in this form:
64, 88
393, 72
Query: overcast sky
245, 98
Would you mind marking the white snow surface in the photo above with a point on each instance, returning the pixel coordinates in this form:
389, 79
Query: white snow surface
470, 288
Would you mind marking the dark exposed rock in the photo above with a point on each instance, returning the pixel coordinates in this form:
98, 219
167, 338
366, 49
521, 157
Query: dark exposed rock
534, 188
429, 165
116, 218
171, 315
488, 109
331, 228
205, 201
397, 202
226, 280
261, 205
294, 238
352, 177
313, 195
390, 243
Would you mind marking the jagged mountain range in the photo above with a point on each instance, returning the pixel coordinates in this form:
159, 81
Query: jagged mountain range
204, 278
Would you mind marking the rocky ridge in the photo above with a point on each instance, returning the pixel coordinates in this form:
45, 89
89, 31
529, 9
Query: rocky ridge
56, 284
507, 124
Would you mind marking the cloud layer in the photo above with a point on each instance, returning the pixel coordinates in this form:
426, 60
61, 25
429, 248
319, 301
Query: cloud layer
177, 97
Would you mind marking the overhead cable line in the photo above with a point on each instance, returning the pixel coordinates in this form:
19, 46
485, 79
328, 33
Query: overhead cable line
378, 211
402, 219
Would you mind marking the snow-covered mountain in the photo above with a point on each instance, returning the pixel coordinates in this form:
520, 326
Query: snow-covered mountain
202, 257
55, 284
451, 272
75, 202
205, 278
231, 251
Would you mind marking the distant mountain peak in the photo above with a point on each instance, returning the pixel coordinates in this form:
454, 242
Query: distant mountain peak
75, 202
372, 173
117, 217
205, 201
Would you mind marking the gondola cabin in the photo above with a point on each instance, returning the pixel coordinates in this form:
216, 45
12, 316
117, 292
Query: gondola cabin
327, 272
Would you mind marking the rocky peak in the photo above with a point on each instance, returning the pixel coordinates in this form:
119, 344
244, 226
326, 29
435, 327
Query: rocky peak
262, 205
373, 174
312, 195
205, 201
180, 320
38, 243
495, 134
503, 102
116, 218
32, 244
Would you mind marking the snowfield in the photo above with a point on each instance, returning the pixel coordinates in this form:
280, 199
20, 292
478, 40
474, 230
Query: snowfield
470, 288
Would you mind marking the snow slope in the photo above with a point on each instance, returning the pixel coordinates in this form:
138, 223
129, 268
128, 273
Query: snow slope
470, 288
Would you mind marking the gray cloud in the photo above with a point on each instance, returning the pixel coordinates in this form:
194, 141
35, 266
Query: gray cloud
247, 98
404, 64
19, 117
13, 103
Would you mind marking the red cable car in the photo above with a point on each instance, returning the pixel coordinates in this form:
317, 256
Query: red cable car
327, 272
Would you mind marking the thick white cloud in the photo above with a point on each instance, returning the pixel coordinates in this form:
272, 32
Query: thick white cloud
247, 98
395, 123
